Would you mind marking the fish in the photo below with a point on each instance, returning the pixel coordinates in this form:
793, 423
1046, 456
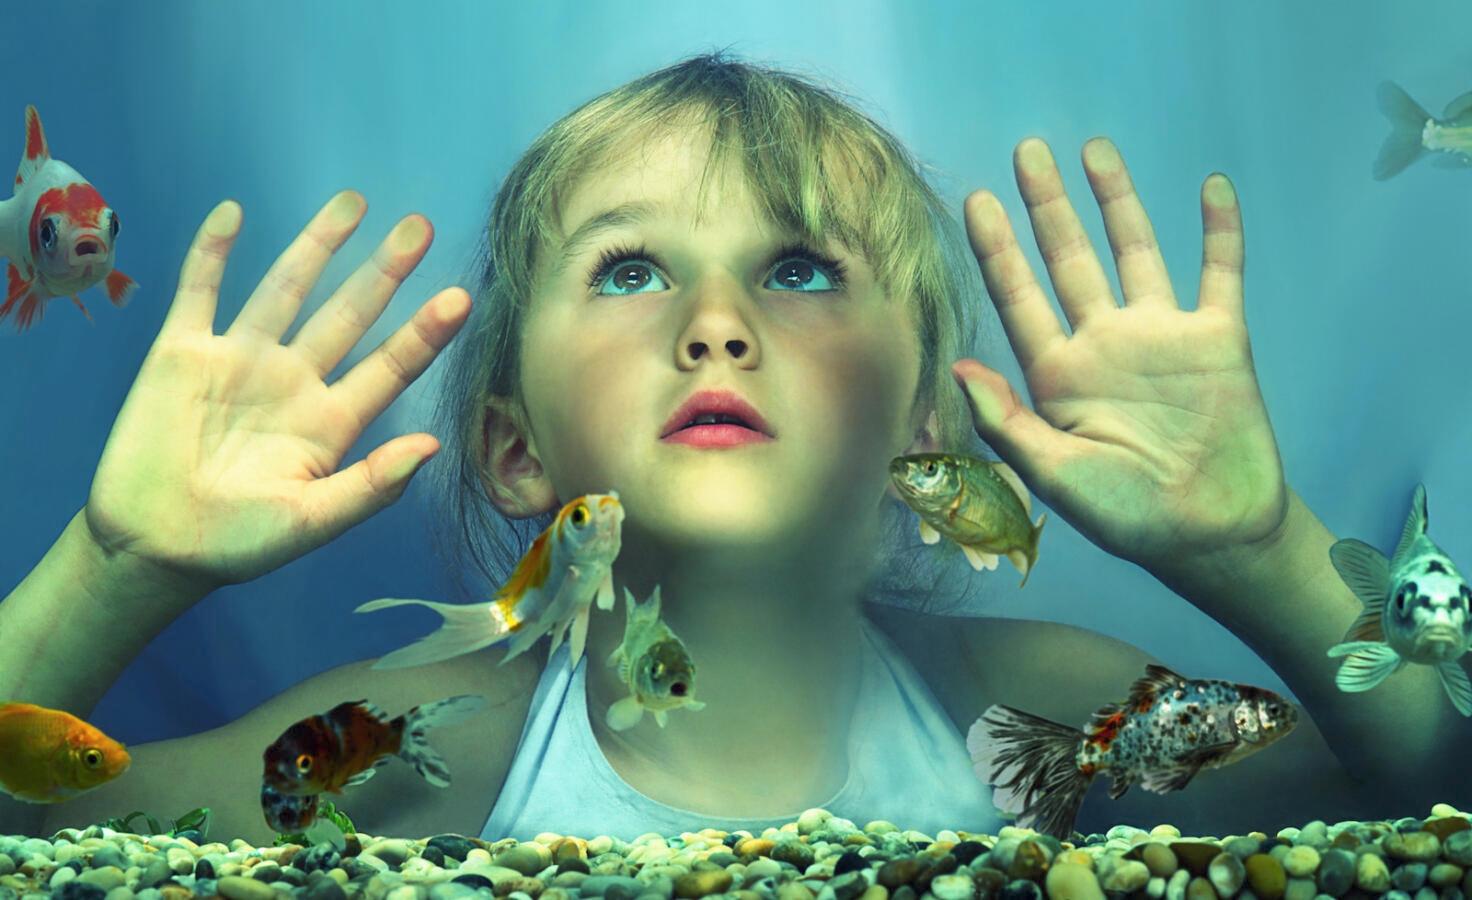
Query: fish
655, 665
48, 756
1418, 609
58, 234
981, 505
1169, 729
551, 591
344, 746
1414, 133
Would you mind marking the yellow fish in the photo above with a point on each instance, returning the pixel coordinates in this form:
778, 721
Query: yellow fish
47, 756
981, 505
654, 664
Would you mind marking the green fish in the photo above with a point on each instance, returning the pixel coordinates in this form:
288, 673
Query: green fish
981, 505
1414, 133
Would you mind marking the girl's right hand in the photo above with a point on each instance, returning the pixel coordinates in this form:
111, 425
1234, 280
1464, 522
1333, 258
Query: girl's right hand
222, 464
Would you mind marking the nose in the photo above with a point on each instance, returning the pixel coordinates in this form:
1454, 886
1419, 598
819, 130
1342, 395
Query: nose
718, 330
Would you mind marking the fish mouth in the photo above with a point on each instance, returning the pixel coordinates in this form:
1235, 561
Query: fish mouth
1442, 643
708, 407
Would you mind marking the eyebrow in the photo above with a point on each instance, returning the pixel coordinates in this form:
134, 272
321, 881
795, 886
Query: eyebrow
623, 215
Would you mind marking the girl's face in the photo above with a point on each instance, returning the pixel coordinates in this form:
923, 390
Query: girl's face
651, 299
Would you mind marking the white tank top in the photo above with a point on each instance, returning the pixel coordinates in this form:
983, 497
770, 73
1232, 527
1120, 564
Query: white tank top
907, 763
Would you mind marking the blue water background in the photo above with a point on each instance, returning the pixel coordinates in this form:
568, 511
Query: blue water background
1357, 291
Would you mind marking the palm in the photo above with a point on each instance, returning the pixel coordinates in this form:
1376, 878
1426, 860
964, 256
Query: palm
1150, 434
223, 462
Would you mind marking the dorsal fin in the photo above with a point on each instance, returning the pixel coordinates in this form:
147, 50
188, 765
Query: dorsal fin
1415, 527
1459, 107
36, 153
1156, 680
531, 571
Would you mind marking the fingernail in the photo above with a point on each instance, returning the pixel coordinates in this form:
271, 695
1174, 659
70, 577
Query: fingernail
223, 220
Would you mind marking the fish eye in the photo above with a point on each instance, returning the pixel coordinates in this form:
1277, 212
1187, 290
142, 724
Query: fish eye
48, 233
1403, 597
928, 467
114, 226
656, 670
92, 758
580, 515
303, 764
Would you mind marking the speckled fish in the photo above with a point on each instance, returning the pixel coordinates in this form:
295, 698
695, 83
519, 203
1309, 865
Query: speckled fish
47, 756
981, 505
654, 664
1169, 729
551, 591
58, 234
1418, 609
1414, 133
344, 746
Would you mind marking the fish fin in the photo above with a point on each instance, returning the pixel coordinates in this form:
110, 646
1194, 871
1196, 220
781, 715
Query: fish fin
1014, 481
1407, 120
1368, 665
468, 627
415, 750
928, 534
1024, 558
1032, 765
1366, 572
625, 714
606, 597
1353, 647
579, 638
1415, 527
1454, 679
28, 294
1458, 107
1163, 781
979, 559
1451, 160
661, 717
78, 300
326, 831
1157, 680
36, 153
119, 287
362, 776
695, 705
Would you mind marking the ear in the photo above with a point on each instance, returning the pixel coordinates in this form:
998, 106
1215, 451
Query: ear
510, 471
927, 440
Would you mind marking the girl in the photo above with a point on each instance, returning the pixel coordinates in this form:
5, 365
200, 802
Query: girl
719, 235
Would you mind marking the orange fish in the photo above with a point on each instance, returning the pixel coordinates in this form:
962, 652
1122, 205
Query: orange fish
47, 756
552, 590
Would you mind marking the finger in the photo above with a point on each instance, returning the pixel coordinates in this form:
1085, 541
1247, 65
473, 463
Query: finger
1142, 274
334, 329
275, 302
194, 303
1020, 436
345, 498
378, 378
1079, 280
1224, 252
1026, 312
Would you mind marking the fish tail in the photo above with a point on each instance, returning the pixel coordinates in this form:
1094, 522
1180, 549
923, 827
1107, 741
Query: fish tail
1026, 557
468, 627
415, 749
1407, 121
1032, 765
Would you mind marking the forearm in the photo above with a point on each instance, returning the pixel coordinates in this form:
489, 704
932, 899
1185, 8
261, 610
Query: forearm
1286, 601
79, 618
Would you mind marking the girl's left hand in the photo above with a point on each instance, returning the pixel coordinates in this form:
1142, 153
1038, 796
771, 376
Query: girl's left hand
1150, 434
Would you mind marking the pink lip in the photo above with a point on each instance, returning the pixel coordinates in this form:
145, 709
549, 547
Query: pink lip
727, 403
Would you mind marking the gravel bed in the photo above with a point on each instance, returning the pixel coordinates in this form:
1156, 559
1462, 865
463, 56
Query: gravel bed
818, 857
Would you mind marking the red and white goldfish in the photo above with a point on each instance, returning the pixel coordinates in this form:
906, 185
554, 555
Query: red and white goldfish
47, 756
981, 505
1418, 608
1414, 133
58, 234
1169, 729
551, 590
344, 746
654, 664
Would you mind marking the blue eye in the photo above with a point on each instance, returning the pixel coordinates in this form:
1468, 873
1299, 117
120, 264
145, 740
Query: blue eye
799, 274
630, 277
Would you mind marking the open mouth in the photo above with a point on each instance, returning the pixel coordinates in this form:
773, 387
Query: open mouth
715, 418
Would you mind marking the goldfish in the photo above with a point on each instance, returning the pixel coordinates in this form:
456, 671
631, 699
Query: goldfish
1414, 133
344, 746
1418, 608
47, 756
1169, 729
58, 234
654, 664
981, 505
551, 590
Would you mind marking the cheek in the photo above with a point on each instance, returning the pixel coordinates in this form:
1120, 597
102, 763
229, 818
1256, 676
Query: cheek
873, 378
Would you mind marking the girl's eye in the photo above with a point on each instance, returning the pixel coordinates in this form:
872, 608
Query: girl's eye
621, 272
800, 274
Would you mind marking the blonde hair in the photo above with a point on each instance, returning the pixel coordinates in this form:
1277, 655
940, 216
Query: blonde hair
821, 168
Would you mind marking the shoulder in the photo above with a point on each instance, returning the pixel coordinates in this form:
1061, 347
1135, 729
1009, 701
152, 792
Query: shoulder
1058, 671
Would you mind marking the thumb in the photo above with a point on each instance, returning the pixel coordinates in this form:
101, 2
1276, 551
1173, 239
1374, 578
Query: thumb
1000, 417
371, 484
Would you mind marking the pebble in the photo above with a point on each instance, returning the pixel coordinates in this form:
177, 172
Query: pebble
1071, 881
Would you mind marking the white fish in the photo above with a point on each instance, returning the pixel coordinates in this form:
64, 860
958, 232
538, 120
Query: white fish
1414, 133
1418, 609
654, 664
552, 589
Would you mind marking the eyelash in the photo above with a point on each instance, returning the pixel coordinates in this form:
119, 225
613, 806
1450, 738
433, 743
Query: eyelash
613, 257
